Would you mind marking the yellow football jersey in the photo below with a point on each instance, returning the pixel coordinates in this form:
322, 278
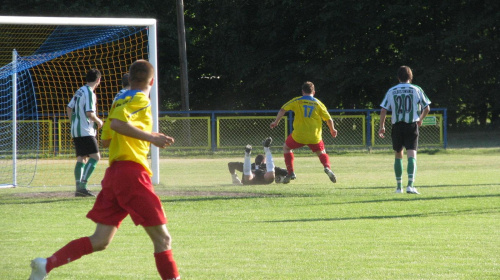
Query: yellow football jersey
133, 107
308, 120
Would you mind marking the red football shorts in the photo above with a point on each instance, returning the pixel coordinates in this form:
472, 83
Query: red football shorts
127, 189
292, 144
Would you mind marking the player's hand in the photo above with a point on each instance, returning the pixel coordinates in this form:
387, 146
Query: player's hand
161, 140
381, 132
99, 123
419, 123
273, 125
105, 143
333, 133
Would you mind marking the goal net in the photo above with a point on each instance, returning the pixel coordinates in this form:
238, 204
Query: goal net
43, 61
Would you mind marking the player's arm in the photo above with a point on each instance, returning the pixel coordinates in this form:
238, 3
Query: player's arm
158, 139
381, 130
93, 117
424, 113
69, 112
331, 126
280, 115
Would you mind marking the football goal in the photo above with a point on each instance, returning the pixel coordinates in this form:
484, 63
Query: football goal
43, 61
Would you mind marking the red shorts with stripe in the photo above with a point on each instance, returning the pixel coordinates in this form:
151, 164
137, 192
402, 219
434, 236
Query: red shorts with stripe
127, 189
292, 144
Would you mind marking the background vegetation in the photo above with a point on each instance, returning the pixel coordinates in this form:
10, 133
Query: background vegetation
256, 54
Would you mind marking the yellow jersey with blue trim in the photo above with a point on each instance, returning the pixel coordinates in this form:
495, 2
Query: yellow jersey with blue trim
134, 107
308, 120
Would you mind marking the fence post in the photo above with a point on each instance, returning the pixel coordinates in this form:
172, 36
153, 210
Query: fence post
368, 129
214, 132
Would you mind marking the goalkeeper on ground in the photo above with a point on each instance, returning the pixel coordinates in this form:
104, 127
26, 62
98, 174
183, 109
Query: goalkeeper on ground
262, 171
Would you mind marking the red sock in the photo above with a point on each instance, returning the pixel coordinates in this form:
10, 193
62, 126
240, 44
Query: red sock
289, 162
325, 160
71, 252
166, 266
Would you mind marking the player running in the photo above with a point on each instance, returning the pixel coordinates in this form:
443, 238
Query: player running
126, 188
409, 106
307, 129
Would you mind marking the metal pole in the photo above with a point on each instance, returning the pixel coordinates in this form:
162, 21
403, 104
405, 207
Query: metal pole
14, 119
181, 30
153, 59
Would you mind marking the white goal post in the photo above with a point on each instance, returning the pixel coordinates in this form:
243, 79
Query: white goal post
6, 24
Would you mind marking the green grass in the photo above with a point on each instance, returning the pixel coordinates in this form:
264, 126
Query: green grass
308, 229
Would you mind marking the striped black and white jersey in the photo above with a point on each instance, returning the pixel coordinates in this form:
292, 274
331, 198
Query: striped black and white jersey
82, 102
406, 102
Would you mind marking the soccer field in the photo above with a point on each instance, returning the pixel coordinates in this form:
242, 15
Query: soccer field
309, 229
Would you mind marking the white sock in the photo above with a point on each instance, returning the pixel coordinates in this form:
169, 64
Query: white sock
269, 160
247, 165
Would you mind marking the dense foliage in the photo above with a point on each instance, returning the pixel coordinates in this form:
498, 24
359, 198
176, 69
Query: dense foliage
256, 54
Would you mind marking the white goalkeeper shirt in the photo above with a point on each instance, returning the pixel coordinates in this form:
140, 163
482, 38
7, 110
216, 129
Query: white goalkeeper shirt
406, 102
82, 102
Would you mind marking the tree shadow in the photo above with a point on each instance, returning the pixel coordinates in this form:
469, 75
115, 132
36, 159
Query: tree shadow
384, 217
419, 186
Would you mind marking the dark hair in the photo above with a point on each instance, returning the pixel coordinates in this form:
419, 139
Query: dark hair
259, 159
125, 81
405, 74
141, 72
308, 87
92, 75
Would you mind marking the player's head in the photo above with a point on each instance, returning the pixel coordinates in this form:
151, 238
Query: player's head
405, 74
259, 159
92, 75
308, 88
125, 81
141, 74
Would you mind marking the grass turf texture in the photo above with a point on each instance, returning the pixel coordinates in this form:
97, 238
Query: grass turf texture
309, 229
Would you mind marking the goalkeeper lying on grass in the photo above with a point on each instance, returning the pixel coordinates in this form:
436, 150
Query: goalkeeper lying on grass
261, 172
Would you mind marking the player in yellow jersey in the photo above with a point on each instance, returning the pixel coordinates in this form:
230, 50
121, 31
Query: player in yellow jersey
126, 188
307, 129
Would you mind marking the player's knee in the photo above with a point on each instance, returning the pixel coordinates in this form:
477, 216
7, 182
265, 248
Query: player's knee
99, 244
96, 156
162, 243
319, 153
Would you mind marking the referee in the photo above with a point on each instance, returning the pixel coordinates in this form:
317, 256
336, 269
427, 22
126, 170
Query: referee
409, 106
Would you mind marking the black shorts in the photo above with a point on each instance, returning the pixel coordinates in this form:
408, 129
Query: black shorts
258, 178
404, 135
85, 146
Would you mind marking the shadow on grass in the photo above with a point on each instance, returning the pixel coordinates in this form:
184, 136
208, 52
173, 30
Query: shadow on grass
421, 215
411, 197
419, 186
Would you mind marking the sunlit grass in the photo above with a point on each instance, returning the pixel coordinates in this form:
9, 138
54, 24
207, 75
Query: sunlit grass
309, 229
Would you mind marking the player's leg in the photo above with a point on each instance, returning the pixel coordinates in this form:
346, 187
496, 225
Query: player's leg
233, 166
80, 164
92, 149
269, 175
80, 161
72, 251
165, 263
397, 145
138, 197
288, 147
411, 144
247, 164
411, 168
320, 151
398, 169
